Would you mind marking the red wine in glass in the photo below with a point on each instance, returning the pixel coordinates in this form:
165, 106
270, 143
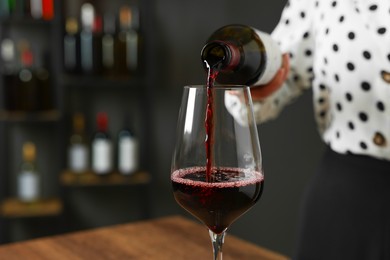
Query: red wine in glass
219, 203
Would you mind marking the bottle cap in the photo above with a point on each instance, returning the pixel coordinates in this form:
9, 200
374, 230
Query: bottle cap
125, 17
26, 54
29, 151
102, 121
7, 50
71, 25
87, 16
97, 24
78, 122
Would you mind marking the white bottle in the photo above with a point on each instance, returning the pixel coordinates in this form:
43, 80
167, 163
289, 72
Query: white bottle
128, 152
28, 183
78, 151
102, 154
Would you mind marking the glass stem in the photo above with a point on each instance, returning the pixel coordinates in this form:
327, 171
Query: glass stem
217, 242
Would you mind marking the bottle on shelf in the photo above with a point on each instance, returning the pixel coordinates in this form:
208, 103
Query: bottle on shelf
108, 38
97, 34
27, 83
71, 46
133, 41
86, 37
45, 89
102, 152
242, 55
128, 150
90, 40
78, 151
28, 182
9, 72
126, 50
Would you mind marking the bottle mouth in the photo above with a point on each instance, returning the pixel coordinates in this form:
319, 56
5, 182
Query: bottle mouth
220, 55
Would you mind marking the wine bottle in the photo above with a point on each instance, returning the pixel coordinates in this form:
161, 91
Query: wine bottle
71, 46
133, 41
44, 84
128, 154
102, 155
86, 37
27, 82
78, 152
108, 43
28, 183
242, 55
9, 72
126, 49
97, 35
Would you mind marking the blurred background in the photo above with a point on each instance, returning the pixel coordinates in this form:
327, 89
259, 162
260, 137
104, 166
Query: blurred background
66, 95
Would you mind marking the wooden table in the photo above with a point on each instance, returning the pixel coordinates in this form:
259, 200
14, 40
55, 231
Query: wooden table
165, 238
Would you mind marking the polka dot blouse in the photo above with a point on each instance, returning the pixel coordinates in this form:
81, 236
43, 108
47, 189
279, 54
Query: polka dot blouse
340, 49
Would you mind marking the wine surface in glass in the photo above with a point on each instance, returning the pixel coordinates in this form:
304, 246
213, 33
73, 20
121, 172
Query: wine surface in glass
219, 203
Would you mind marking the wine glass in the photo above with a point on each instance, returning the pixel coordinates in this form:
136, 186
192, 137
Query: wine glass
216, 171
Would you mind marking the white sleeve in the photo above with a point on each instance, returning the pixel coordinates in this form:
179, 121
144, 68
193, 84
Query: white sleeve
294, 35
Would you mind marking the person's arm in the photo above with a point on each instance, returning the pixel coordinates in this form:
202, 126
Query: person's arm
294, 33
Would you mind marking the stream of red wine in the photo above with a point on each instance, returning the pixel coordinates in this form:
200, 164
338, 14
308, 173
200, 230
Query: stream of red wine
209, 126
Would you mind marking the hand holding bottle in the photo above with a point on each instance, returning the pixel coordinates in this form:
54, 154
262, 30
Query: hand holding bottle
244, 55
262, 91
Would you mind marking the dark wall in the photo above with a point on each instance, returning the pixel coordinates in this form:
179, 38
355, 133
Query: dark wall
291, 145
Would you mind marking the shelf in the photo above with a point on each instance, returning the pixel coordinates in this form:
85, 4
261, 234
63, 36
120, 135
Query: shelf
93, 81
23, 116
20, 20
69, 178
14, 208
89, 94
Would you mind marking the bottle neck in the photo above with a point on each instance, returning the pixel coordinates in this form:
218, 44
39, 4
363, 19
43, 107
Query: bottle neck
78, 123
125, 17
102, 122
27, 59
221, 56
